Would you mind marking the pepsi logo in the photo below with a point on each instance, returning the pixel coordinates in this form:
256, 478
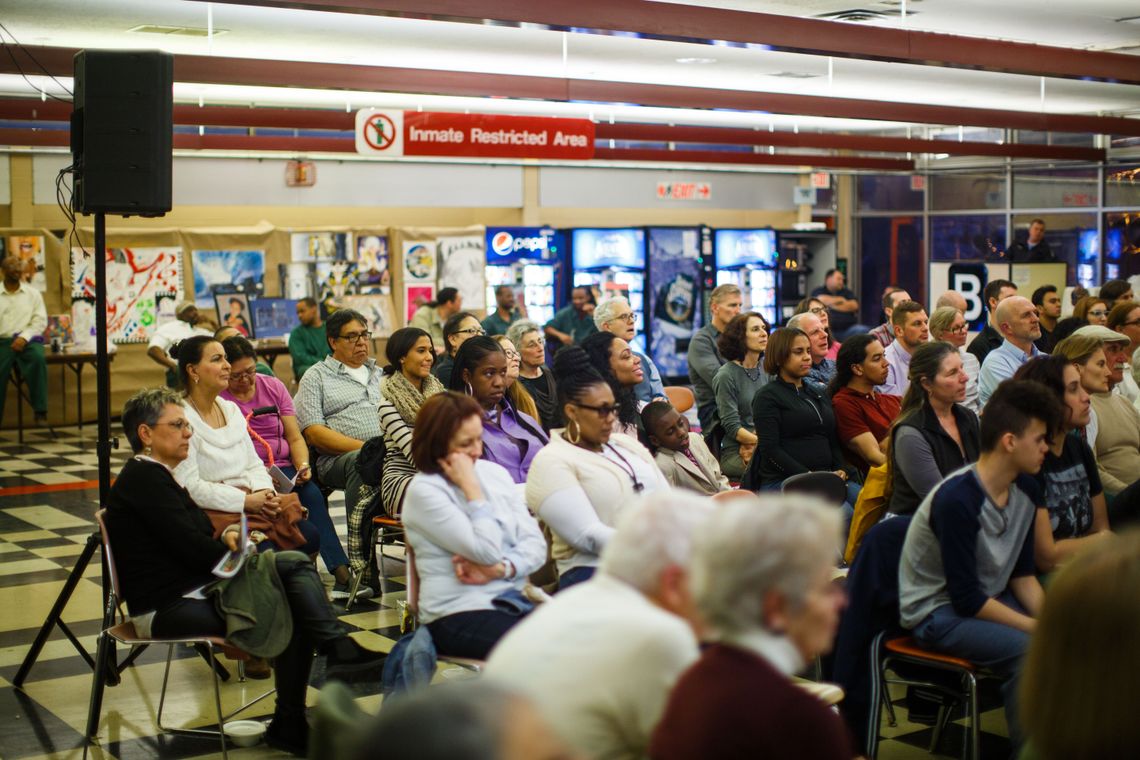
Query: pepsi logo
502, 243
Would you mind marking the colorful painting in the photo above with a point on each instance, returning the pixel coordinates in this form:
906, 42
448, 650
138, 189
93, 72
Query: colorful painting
243, 271
416, 296
336, 279
59, 332
463, 265
419, 261
138, 280
30, 249
233, 311
372, 272
378, 310
319, 246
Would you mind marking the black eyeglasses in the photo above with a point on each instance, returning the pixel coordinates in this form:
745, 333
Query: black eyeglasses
473, 331
353, 337
602, 411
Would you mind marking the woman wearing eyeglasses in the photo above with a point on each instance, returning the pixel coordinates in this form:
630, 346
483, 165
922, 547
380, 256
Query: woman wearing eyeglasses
511, 438
278, 441
457, 329
947, 324
517, 393
581, 482
1093, 310
534, 375
1125, 319
616, 361
817, 307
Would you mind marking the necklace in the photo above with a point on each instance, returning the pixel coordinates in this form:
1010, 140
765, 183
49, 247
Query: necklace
753, 373
213, 406
638, 486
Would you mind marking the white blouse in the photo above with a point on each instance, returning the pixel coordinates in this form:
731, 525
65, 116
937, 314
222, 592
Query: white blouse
222, 461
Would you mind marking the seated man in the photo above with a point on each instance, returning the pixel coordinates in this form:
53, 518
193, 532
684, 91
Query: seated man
885, 333
1016, 319
337, 410
600, 660
189, 323
307, 343
989, 338
967, 581
912, 329
683, 456
863, 415
23, 320
822, 368
432, 316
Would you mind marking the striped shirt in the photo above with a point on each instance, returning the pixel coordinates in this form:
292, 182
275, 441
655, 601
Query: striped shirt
398, 468
330, 396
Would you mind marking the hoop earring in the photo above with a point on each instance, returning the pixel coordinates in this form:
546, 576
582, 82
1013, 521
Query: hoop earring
577, 435
467, 387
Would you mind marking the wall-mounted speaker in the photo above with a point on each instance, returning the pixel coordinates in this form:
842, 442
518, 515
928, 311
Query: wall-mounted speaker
122, 132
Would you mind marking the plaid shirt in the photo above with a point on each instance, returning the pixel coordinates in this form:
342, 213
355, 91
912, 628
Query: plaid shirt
330, 396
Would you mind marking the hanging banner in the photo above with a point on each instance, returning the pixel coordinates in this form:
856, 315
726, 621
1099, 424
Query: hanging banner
427, 133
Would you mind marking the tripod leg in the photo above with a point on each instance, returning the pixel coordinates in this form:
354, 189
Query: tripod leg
93, 544
95, 704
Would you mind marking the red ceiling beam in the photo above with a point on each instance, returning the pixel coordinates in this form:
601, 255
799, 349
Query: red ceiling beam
246, 71
778, 159
59, 138
27, 109
780, 32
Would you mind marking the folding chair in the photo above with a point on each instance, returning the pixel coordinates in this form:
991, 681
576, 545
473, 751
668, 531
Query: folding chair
411, 610
124, 632
383, 525
681, 397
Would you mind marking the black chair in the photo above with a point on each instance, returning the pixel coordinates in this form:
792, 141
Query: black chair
825, 485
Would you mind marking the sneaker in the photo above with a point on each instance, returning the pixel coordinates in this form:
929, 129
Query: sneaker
347, 659
340, 591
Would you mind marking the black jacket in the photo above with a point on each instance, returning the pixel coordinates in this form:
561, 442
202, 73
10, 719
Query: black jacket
796, 428
1021, 253
987, 340
947, 455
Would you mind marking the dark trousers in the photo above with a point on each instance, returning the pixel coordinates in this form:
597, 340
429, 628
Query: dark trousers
33, 368
1124, 507
471, 634
314, 626
575, 575
313, 500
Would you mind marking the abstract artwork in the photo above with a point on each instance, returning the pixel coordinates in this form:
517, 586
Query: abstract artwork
372, 272
139, 280
242, 271
462, 265
319, 246
419, 261
378, 310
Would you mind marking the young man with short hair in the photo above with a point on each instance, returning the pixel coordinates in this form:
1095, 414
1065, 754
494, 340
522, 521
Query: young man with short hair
967, 580
885, 333
432, 316
574, 323
1048, 303
912, 329
506, 312
308, 343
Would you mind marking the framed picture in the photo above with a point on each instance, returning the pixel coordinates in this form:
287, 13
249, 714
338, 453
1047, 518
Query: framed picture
273, 317
233, 311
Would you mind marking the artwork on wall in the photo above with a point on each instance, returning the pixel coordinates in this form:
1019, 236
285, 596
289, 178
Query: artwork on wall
416, 296
59, 332
319, 246
243, 271
30, 249
379, 311
336, 279
419, 262
273, 317
372, 272
462, 265
298, 280
140, 281
233, 311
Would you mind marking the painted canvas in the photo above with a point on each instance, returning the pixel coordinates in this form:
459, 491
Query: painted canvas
378, 310
336, 279
233, 270
319, 246
298, 280
59, 332
30, 250
419, 261
416, 296
372, 265
463, 265
138, 279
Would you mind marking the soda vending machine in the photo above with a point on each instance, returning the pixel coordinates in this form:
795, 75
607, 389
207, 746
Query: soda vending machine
676, 308
612, 262
748, 259
530, 260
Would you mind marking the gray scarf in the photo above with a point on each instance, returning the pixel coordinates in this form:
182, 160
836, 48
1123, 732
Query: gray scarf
406, 397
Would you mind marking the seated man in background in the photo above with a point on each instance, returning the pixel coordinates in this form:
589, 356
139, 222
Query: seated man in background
822, 368
912, 329
337, 406
189, 322
505, 314
1048, 303
967, 581
885, 333
953, 299
681, 455
1016, 318
431, 317
308, 343
600, 659
704, 357
989, 338
23, 319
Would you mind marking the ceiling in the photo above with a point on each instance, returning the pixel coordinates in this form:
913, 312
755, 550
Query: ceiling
685, 79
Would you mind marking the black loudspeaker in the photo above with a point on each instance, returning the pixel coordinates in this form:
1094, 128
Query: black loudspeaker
122, 132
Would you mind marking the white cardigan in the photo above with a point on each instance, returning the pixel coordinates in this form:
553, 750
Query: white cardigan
580, 494
221, 461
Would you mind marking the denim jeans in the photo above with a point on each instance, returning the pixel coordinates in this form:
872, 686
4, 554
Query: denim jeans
996, 647
575, 575
313, 500
471, 634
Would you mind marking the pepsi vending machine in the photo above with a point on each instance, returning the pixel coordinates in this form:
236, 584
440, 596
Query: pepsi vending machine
529, 259
748, 259
612, 262
676, 309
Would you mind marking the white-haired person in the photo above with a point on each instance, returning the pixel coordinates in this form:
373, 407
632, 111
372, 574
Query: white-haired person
761, 578
600, 659
615, 315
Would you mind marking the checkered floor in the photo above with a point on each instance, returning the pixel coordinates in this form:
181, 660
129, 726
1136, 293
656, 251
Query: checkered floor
48, 495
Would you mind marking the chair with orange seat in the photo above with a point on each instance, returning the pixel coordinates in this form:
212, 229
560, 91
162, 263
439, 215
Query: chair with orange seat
680, 397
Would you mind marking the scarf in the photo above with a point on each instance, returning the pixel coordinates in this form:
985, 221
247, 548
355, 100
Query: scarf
405, 397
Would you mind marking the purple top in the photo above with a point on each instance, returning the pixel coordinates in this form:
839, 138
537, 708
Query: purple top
268, 391
513, 442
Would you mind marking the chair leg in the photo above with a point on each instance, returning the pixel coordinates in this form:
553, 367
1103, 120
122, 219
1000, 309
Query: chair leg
165, 680
975, 727
218, 705
940, 722
875, 704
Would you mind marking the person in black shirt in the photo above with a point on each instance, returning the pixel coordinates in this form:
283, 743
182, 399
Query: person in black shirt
842, 306
1048, 303
1034, 249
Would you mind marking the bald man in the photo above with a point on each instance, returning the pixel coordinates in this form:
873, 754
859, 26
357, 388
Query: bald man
952, 298
1017, 321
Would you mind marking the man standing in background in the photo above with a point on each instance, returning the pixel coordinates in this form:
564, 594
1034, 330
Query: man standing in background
704, 357
842, 306
431, 316
505, 313
23, 320
307, 343
1034, 250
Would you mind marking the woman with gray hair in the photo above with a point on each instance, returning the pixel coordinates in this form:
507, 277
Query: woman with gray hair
615, 315
535, 376
948, 324
761, 580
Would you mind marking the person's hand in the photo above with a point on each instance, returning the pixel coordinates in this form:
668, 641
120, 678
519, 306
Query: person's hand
473, 574
460, 470
271, 508
256, 502
747, 451
231, 539
19, 343
842, 474
304, 475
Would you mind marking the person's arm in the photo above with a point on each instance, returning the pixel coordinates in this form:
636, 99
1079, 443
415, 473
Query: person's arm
38, 321
837, 303
206, 494
298, 449
988, 378
527, 550
728, 407
396, 432
301, 349
160, 356
328, 441
466, 528
994, 611
914, 460
156, 502
702, 357
867, 447
570, 514
656, 386
766, 418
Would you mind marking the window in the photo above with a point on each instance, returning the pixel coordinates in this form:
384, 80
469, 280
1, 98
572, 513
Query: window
1122, 185
892, 249
1055, 188
970, 237
950, 192
887, 192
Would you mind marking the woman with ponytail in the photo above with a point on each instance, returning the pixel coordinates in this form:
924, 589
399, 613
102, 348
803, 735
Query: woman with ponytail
934, 434
581, 482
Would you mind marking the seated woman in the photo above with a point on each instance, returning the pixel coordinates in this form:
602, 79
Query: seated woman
579, 484
947, 324
164, 548
458, 328
225, 332
1074, 516
517, 393
795, 422
406, 384
534, 375
817, 307
761, 579
863, 416
742, 346
618, 363
473, 538
222, 471
1093, 310
934, 434
278, 441
511, 439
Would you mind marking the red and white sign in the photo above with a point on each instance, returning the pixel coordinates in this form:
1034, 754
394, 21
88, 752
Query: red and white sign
684, 191
820, 180
917, 182
425, 133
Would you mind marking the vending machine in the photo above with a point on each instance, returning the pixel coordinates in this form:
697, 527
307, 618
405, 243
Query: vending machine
676, 303
749, 259
612, 262
531, 261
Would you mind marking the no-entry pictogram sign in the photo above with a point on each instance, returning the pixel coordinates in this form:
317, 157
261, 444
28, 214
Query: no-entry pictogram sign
380, 132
